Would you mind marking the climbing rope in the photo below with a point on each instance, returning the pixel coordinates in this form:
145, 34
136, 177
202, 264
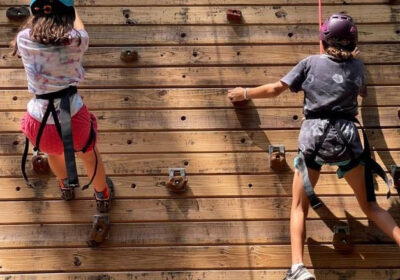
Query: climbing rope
321, 48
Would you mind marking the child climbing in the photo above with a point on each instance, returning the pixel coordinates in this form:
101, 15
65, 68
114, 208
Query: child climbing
51, 45
331, 83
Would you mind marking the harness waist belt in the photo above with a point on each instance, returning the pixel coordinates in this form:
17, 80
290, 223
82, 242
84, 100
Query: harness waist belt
371, 166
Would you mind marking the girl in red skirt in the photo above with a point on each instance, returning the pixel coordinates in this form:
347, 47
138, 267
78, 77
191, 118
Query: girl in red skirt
51, 45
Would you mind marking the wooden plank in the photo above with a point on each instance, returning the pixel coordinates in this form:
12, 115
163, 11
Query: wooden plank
200, 186
96, 99
175, 258
182, 233
212, 55
201, 209
201, 141
326, 274
219, 119
201, 2
199, 35
193, 76
195, 163
217, 15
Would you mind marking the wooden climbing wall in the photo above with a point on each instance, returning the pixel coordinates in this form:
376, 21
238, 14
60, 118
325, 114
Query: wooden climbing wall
169, 109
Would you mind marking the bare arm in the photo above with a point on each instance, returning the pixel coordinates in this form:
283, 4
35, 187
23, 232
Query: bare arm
78, 24
264, 91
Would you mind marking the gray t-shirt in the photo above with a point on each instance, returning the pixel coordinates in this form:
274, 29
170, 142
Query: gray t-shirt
329, 85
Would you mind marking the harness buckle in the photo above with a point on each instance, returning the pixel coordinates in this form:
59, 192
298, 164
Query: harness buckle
315, 202
177, 180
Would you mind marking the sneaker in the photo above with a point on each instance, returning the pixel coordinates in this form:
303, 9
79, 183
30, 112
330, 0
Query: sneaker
66, 193
104, 204
300, 273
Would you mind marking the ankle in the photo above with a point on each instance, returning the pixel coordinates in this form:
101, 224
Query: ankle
104, 194
296, 266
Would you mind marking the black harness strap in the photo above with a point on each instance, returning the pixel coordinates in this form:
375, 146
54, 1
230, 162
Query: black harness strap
67, 139
371, 166
65, 133
315, 202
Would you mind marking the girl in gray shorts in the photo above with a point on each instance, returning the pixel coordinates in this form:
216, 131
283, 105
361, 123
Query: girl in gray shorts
331, 83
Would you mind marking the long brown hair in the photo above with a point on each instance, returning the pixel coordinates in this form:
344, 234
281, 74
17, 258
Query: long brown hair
339, 53
52, 29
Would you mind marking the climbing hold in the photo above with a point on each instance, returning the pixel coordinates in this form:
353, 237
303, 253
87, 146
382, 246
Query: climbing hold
129, 56
234, 16
277, 157
177, 180
100, 230
342, 240
40, 162
18, 13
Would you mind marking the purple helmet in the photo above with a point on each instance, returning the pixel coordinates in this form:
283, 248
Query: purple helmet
339, 31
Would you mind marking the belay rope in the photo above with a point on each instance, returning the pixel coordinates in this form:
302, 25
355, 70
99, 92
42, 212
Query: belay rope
65, 133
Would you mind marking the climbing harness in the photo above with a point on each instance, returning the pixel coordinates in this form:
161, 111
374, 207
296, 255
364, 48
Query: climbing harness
371, 166
65, 133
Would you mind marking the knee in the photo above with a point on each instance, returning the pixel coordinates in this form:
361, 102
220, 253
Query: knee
300, 205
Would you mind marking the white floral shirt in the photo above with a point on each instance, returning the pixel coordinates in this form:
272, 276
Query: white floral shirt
52, 68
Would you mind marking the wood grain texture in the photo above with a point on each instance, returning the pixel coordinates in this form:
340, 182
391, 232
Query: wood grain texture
213, 55
272, 274
217, 15
195, 163
199, 35
193, 76
97, 99
201, 209
200, 186
184, 233
220, 119
201, 2
175, 258
201, 141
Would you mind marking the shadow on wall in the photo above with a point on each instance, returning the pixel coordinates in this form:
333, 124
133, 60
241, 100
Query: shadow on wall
372, 234
366, 112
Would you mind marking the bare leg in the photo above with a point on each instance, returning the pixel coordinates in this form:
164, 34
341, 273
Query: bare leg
57, 165
299, 213
355, 178
89, 161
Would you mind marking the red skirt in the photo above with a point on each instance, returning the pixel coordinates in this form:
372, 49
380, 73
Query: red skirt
50, 142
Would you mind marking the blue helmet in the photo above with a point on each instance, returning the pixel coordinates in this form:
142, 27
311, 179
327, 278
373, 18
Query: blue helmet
67, 3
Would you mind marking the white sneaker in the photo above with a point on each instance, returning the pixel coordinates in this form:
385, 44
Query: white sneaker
301, 273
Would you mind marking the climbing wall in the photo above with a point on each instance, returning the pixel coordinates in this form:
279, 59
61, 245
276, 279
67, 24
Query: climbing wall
169, 109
